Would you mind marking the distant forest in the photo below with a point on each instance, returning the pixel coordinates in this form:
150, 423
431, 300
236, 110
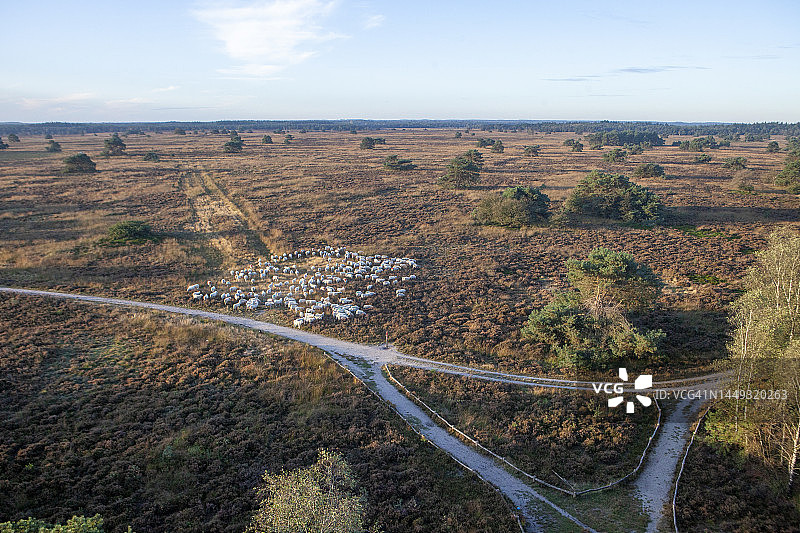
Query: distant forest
654, 128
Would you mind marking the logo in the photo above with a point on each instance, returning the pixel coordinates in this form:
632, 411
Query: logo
645, 381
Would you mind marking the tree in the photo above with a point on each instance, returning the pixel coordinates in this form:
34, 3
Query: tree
3, 145
13, 138
179, 131
461, 173
475, 157
577, 146
114, 146
457, 135
483, 142
266, 139
773, 147
79, 163
321, 498
151, 156
367, 143
393, 162
735, 163
648, 170
53, 146
615, 156
765, 353
702, 158
76, 524
612, 196
790, 175
608, 279
498, 147
531, 151
515, 207
589, 328
234, 145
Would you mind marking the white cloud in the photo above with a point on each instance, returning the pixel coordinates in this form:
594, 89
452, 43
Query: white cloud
75, 98
374, 21
269, 35
166, 89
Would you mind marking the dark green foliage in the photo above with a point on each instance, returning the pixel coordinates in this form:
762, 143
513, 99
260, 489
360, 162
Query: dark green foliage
457, 135
531, 151
76, 524
3, 145
48, 136
266, 139
483, 143
114, 146
475, 157
53, 146
380, 140
515, 207
462, 172
648, 170
179, 131
498, 147
130, 232
735, 163
393, 162
615, 156
621, 138
634, 149
607, 279
367, 143
577, 146
698, 144
151, 156
233, 146
755, 137
12, 138
580, 340
612, 196
773, 147
79, 163
790, 175
702, 158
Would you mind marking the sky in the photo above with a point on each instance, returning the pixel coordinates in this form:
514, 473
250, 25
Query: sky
93, 61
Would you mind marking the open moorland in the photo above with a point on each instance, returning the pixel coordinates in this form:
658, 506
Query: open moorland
200, 389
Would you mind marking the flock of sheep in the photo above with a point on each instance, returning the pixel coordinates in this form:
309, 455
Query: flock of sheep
325, 285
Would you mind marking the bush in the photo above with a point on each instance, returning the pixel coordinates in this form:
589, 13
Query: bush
457, 135
531, 151
234, 146
13, 138
702, 158
76, 524
515, 207
612, 196
648, 170
462, 172
79, 163
735, 163
130, 232
151, 156
580, 340
367, 143
483, 143
53, 146
48, 136
266, 139
498, 147
474, 156
114, 146
393, 162
773, 147
615, 156
3, 145
179, 131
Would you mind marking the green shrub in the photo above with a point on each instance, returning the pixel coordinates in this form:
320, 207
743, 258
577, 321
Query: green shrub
531, 151
367, 143
13, 138
266, 139
76, 524
234, 145
702, 158
498, 147
393, 162
648, 170
114, 146
53, 146
79, 163
151, 156
3, 145
615, 156
773, 147
735, 163
515, 207
612, 196
130, 232
462, 172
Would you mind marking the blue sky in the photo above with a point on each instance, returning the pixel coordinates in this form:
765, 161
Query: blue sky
290, 59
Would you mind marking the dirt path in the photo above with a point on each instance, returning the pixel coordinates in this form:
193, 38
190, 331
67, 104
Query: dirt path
655, 481
365, 362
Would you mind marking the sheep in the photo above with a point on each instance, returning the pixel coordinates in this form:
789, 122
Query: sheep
193, 287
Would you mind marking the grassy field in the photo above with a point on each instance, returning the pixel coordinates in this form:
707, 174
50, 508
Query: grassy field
166, 424
477, 284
